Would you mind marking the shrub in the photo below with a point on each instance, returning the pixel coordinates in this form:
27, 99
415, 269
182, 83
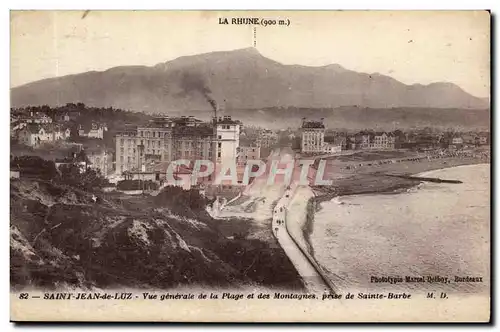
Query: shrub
180, 200
90, 179
33, 166
136, 185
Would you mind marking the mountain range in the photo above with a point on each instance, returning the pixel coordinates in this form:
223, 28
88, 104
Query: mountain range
240, 79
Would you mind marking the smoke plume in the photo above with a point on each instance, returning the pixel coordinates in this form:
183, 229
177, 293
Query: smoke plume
195, 82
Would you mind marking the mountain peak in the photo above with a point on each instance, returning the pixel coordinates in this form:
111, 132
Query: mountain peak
241, 79
250, 50
336, 68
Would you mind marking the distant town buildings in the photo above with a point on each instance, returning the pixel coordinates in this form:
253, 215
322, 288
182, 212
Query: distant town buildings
482, 139
248, 152
145, 151
266, 138
34, 134
38, 117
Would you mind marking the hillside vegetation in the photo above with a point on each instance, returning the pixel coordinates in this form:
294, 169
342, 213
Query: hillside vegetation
60, 237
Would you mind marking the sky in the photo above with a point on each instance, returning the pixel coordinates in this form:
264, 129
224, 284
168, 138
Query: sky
413, 46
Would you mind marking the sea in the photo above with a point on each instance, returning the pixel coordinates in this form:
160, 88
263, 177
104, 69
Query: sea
430, 232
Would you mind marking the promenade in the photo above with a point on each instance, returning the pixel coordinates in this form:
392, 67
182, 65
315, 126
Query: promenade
312, 279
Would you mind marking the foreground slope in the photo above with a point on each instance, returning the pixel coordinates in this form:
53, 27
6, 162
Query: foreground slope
61, 238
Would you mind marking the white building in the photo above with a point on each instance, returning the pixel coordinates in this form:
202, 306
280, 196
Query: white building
95, 131
382, 141
228, 139
332, 148
457, 140
313, 136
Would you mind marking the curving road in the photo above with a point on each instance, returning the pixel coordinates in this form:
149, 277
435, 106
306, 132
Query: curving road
312, 279
265, 195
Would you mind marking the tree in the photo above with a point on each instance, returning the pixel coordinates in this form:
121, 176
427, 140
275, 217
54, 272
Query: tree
34, 166
88, 179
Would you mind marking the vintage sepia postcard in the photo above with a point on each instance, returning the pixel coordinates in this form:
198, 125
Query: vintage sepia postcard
250, 166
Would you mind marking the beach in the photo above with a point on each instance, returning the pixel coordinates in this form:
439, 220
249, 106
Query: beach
425, 230
372, 179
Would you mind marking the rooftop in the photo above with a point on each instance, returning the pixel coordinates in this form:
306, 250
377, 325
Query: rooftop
204, 130
226, 119
34, 128
178, 169
313, 125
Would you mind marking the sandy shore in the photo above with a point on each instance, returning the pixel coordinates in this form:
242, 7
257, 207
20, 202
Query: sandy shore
441, 230
368, 180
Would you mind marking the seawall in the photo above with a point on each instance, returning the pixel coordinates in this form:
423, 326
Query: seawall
297, 218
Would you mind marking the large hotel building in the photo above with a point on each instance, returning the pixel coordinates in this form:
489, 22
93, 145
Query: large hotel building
313, 136
168, 139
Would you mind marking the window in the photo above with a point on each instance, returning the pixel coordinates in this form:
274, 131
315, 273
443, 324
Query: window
218, 154
219, 137
220, 145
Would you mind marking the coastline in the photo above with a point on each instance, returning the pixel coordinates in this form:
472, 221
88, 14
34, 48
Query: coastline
374, 182
430, 231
